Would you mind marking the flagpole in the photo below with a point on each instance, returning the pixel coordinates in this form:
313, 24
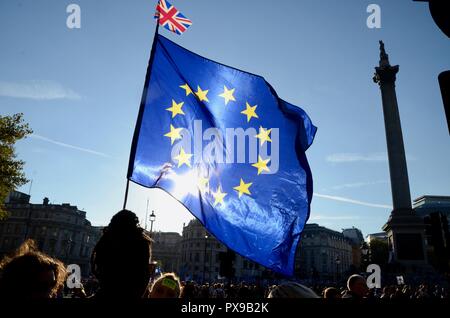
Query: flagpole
157, 25
126, 195
141, 111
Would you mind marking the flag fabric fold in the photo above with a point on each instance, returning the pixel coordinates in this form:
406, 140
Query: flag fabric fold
223, 143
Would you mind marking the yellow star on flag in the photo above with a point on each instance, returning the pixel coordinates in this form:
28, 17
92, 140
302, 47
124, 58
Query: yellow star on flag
202, 94
227, 94
218, 196
183, 158
203, 184
261, 164
174, 134
243, 188
187, 89
250, 111
176, 108
263, 135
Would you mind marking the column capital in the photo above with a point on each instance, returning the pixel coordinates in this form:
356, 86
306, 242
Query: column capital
385, 74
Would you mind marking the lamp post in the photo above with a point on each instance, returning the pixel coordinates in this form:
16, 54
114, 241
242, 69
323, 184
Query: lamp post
338, 261
364, 251
204, 258
69, 245
152, 219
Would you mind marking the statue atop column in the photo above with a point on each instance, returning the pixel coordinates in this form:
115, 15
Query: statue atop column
384, 72
384, 58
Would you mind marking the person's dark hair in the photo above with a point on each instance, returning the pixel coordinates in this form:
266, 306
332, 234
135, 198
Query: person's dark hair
30, 274
292, 290
120, 260
352, 280
331, 293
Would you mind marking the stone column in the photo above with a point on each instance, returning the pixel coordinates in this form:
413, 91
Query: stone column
405, 230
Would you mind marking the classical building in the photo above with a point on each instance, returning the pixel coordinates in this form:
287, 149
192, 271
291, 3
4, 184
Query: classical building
381, 236
354, 235
60, 230
200, 257
323, 254
428, 204
166, 250
357, 239
435, 211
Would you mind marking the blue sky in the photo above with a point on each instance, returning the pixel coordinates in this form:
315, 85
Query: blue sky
80, 91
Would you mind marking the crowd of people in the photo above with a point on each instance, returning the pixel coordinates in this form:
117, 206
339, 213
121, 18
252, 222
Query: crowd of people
120, 267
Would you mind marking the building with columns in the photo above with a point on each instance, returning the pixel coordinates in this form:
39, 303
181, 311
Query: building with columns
323, 254
381, 236
166, 250
357, 239
60, 230
428, 204
200, 257
435, 211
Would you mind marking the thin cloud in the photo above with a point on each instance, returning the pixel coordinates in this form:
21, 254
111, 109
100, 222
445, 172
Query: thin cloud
62, 144
347, 200
334, 218
359, 157
355, 157
357, 184
37, 90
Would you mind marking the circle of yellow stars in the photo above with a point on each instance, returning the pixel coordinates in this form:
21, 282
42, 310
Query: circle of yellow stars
184, 158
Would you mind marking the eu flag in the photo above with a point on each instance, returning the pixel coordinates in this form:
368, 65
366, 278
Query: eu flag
223, 143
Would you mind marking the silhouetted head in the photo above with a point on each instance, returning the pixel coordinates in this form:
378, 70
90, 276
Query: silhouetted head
292, 290
120, 260
30, 274
189, 290
357, 285
167, 286
331, 293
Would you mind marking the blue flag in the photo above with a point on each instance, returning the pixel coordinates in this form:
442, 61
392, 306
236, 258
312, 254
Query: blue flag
220, 141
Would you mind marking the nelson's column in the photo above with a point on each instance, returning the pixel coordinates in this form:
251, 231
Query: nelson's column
404, 228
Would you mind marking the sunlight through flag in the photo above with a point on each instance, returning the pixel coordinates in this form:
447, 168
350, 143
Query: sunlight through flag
220, 141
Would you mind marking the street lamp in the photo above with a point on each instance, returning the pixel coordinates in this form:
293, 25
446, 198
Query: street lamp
152, 219
204, 258
69, 245
338, 261
365, 251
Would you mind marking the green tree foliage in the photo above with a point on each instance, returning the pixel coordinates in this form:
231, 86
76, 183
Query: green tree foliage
12, 129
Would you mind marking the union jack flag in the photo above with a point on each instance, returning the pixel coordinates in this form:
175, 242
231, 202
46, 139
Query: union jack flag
169, 17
